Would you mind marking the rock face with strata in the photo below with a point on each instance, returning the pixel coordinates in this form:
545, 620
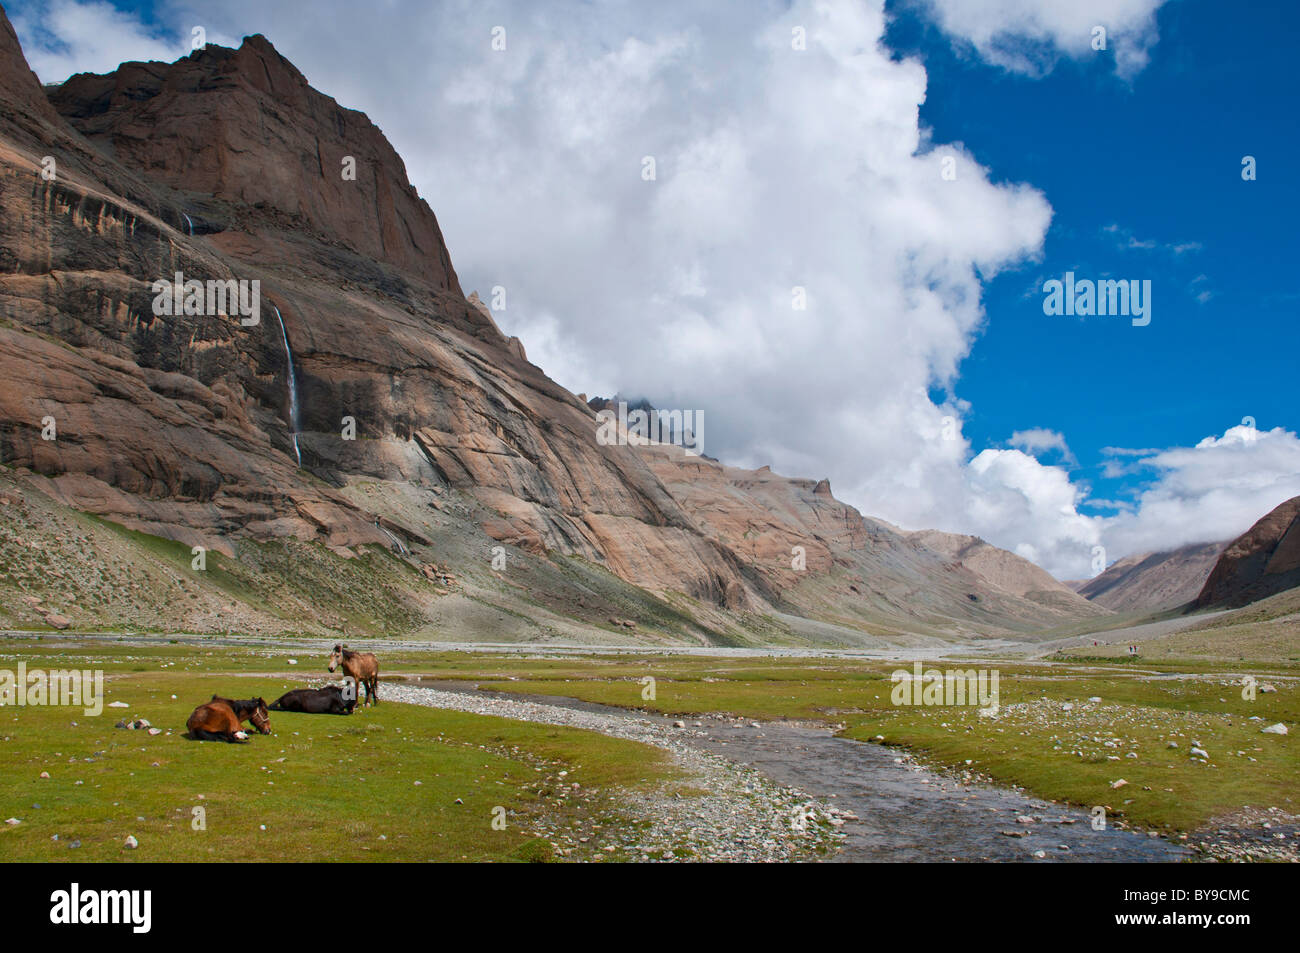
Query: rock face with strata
244, 129
1261, 562
227, 165
181, 426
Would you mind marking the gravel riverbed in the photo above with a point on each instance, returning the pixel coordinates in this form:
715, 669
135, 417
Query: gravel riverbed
746, 816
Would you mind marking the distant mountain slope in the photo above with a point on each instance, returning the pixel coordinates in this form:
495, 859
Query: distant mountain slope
1153, 581
1004, 570
858, 570
1260, 562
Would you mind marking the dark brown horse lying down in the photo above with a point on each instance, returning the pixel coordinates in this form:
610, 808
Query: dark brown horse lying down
222, 719
316, 701
361, 667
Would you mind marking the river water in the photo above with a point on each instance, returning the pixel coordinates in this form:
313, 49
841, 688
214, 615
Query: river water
905, 811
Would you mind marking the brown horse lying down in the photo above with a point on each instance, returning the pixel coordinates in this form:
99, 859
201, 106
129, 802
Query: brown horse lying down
362, 667
329, 700
222, 719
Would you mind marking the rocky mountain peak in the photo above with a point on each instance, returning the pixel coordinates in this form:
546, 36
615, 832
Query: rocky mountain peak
244, 127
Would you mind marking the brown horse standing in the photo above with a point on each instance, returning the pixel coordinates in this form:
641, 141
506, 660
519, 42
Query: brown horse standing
361, 667
222, 719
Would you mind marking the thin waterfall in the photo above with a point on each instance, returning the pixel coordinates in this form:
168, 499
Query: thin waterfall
398, 545
189, 224
293, 388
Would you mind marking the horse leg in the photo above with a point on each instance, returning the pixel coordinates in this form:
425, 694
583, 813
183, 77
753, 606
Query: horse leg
234, 732
203, 734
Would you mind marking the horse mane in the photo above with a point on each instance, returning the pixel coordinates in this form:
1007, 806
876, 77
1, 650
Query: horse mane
242, 706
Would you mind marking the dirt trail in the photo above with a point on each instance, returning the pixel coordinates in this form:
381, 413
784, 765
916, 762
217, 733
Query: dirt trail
1130, 634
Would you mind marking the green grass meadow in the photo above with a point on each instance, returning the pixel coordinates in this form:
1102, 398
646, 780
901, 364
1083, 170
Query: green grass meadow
391, 782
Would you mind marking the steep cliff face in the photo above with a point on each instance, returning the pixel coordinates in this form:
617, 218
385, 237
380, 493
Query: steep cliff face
166, 422
368, 402
190, 426
21, 97
1260, 562
244, 127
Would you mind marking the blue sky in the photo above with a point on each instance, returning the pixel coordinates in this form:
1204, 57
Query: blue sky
814, 168
1160, 157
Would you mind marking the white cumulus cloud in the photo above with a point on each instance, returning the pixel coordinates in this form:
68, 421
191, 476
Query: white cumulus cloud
1027, 36
65, 37
1210, 492
1037, 440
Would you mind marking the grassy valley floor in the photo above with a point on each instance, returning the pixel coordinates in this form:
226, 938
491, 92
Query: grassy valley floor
394, 782
402, 782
